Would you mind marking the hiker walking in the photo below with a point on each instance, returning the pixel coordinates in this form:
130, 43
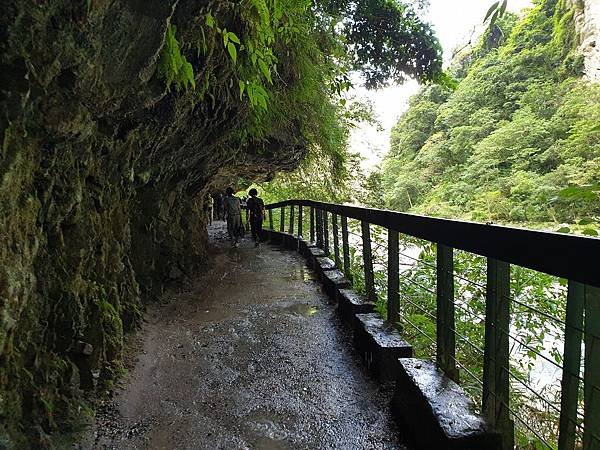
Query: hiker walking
255, 208
233, 213
219, 213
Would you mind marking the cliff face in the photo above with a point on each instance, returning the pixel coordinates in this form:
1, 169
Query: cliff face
103, 174
587, 22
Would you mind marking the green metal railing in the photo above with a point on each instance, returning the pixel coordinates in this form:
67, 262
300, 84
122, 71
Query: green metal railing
506, 251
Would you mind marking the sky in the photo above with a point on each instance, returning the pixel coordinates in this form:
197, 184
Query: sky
455, 22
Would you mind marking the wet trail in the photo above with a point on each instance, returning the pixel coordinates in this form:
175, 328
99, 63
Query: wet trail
251, 355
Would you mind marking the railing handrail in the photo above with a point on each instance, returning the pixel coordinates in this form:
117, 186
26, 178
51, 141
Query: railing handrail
563, 255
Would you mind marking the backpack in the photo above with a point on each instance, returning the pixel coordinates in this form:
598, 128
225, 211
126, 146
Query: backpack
255, 206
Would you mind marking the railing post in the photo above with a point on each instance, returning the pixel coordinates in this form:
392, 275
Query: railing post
319, 228
496, 382
336, 239
312, 224
291, 229
446, 338
270, 218
569, 396
300, 224
368, 262
325, 233
346, 247
591, 376
282, 220
393, 278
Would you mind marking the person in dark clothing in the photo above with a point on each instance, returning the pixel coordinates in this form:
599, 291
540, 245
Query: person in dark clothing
256, 211
219, 212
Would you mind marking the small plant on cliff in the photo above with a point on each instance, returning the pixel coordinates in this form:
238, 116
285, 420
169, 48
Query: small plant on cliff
173, 66
257, 54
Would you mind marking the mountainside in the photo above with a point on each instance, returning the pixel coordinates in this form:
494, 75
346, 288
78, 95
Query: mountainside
521, 126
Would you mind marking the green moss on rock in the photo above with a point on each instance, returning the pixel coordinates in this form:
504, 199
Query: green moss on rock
103, 172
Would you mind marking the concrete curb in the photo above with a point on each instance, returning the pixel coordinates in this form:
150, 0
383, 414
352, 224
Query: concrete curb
435, 409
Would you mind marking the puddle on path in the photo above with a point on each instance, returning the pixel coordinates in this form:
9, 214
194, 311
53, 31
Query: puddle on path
302, 309
300, 272
265, 443
270, 431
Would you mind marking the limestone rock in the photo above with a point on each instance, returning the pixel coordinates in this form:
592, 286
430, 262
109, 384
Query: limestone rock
587, 23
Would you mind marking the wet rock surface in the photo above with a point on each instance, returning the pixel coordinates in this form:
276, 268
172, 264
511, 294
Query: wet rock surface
250, 355
104, 176
437, 410
380, 345
314, 253
325, 263
382, 334
333, 280
350, 303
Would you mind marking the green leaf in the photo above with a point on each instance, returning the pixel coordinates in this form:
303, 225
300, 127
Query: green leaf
493, 19
586, 221
242, 85
261, 91
262, 101
210, 20
232, 51
491, 10
590, 232
202, 47
188, 72
563, 230
265, 70
502, 9
225, 37
233, 38
173, 66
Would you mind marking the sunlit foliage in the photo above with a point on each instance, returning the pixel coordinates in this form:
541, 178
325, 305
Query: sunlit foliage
520, 128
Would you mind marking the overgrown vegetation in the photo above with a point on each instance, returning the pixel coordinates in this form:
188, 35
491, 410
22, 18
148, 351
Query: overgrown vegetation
516, 142
536, 342
173, 66
290, 62
520, 129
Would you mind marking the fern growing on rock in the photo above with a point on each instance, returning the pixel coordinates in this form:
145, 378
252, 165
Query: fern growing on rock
173, 66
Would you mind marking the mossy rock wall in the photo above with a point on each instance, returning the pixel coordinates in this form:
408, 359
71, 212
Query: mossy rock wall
103, 176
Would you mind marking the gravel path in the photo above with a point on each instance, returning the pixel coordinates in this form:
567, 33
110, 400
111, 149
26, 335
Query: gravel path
250, 355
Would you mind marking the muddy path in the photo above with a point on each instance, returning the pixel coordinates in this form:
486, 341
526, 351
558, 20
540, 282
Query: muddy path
250, 355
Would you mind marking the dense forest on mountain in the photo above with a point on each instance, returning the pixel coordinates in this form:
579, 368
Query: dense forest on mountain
517, 141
